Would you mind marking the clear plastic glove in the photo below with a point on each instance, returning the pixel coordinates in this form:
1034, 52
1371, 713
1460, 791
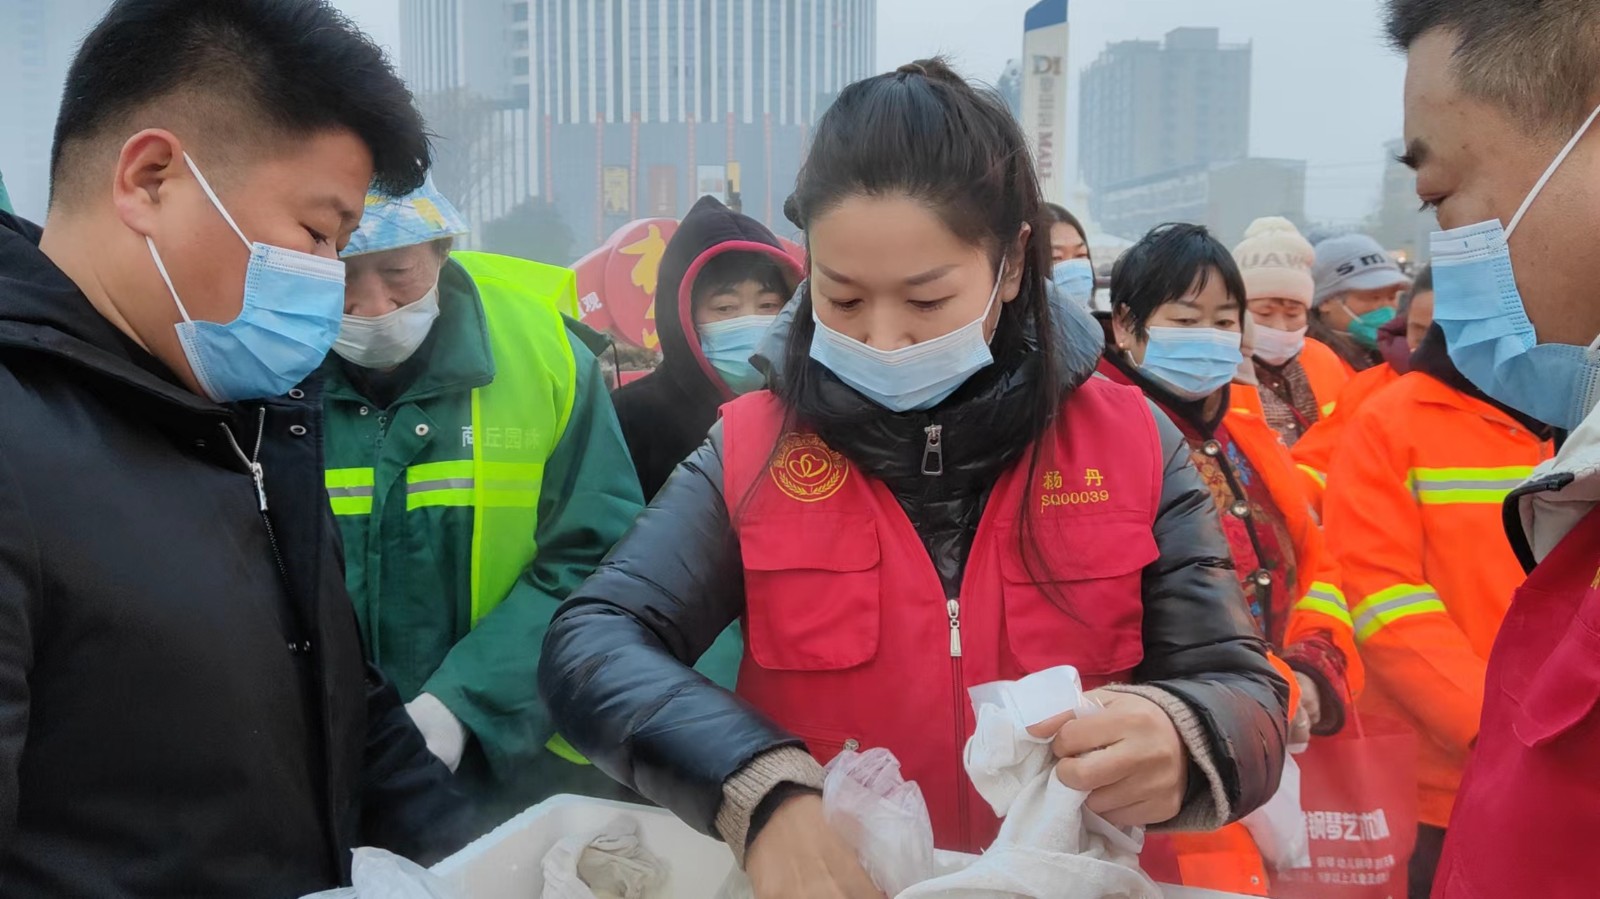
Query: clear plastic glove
872, 807
444, 734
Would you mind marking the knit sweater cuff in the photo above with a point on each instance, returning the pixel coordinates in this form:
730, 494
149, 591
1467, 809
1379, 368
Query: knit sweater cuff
1208, 809
743, 792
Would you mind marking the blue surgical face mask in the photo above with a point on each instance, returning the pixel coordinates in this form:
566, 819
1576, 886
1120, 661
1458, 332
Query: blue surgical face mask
1074, 278
728, 346
919, 376
1191, 363
1491, 340
293, 307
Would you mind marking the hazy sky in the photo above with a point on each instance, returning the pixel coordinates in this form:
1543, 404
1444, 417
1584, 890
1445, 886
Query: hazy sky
1326, 89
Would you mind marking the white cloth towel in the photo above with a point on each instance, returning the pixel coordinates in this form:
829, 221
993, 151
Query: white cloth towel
1050, 845
610, 864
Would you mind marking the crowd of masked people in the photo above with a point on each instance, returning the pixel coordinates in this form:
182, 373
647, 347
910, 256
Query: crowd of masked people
318, 531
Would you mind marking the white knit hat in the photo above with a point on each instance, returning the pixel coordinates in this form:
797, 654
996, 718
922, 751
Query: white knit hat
1276, 261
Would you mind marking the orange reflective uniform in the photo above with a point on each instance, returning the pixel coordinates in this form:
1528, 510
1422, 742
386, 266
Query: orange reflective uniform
1314, 452
1413, 515
1228, 859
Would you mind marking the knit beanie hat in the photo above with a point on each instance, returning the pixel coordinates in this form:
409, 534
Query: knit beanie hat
1276, 261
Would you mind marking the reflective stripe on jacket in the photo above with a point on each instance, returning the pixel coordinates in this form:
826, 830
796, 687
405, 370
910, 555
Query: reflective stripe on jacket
1322, 605
474, 503
1413, 514
1530, 800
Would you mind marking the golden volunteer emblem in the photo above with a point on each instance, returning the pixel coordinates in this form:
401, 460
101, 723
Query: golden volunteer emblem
806, 469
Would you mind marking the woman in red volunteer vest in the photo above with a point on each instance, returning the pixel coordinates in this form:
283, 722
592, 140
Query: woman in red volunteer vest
1175, 332
936, 494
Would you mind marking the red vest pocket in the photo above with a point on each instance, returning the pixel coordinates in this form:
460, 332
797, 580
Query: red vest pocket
1076, 597
811, 590
1563, 693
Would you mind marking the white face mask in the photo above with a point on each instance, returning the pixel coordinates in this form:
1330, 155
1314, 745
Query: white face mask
1276, 347
385, 341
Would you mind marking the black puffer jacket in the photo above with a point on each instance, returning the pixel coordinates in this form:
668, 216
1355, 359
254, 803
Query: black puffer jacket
184, 705
615, 661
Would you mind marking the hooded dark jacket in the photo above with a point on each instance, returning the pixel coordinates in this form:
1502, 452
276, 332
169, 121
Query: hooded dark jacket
666, 414
184, 704
623, 641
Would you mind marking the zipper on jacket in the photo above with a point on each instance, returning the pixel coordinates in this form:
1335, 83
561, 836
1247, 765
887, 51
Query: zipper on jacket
933, 451
953, 607
258, 474
958, 684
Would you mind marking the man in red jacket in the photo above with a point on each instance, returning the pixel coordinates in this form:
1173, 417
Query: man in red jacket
1501, 100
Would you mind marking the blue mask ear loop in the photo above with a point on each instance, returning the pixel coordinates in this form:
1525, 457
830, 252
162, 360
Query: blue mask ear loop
1544, 179
216, 204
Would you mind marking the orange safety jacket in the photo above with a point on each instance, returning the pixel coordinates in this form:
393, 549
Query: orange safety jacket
1325, 371
1413, 514
1328, 375
1227, 859
1314, 451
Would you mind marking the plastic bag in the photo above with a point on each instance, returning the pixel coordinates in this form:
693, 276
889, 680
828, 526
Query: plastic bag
1279, 827
380, 874
883, 817
879, 815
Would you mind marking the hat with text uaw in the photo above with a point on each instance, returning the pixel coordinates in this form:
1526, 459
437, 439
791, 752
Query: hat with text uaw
389, 223
1275, 261
1354, 262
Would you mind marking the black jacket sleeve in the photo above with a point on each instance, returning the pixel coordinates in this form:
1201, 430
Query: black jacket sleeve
616, 666
1200, 642
615, 670
409, 803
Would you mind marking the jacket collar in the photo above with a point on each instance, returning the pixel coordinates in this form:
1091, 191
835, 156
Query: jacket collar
1562, 491
456, 357
987, 423
43, 312
1432, 358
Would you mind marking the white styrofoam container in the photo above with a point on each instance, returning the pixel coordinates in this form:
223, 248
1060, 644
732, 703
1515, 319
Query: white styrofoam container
506, 864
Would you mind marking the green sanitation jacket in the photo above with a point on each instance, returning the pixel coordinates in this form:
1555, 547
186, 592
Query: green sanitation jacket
473, 501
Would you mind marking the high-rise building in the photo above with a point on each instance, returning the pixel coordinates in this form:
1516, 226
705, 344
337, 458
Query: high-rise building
1153, 107
37, 41
629, 108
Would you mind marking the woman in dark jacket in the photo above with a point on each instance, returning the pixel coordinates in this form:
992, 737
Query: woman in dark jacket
936, 495
724, 277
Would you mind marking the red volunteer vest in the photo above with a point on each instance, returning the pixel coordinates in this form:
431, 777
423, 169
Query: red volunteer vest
1529, 807
850, 640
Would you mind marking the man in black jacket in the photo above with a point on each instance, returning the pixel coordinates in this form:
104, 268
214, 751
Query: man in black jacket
184, 705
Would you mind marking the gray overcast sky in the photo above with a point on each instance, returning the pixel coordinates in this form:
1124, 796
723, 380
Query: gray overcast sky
1326, 88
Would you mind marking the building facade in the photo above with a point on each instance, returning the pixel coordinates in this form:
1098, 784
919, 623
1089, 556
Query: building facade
38, 39
1225, 197
1154, 108
621, 109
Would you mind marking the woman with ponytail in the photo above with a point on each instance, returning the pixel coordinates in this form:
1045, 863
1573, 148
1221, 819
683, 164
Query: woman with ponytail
935, 493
